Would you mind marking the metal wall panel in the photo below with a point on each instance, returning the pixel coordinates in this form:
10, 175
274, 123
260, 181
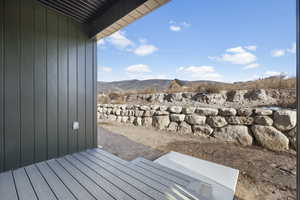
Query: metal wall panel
1, 85
47, 82
27, 82
40, 86
12, 83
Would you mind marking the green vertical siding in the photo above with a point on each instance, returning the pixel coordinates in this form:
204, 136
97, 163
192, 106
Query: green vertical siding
47, 81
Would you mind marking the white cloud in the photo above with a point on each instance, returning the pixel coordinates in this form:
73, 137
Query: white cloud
138, 69
278, 53
236, 50
200, 72
185, 24
119, 40
282, 52
105, 69
237, 55
175, 28
101, 42
273, 73
178, 26
145, 49
252, 66
292, 49
251, 48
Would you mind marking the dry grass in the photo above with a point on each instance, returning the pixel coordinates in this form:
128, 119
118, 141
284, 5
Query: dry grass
276, 82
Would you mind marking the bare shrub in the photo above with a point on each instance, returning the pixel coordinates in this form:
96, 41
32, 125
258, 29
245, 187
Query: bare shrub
210, 89
116, 98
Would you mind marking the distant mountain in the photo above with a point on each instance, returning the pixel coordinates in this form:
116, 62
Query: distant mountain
139, 85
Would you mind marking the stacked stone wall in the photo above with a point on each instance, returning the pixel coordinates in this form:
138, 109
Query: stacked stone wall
272, 129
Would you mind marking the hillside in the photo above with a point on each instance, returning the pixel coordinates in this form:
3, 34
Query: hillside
140, 85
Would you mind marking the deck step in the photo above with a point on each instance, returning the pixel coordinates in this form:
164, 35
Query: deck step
96, 174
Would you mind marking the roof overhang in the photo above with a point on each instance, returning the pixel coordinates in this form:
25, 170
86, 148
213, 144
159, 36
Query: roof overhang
104, 17
140, 11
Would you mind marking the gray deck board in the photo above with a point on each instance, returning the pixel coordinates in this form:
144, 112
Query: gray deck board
128, 188
41, 187
23, 185
93, 175
159, 172
7, 186
70, 182
133, 171
57, 186
137, 169
139, 185
165, 169
94, 189
116, 192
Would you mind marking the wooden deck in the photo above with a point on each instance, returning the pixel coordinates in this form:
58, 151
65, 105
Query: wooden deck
95, 174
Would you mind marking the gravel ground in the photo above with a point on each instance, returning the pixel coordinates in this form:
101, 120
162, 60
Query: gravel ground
264, 174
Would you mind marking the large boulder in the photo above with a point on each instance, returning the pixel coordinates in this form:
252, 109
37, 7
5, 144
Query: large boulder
188, 110
292, 135
177, 117
149, 113
161, 122
195, 119
173, 127
214, 98
173, 97
207, 111
236, 95
227, 111
236, 134
240, 120
263, 111
184, 128
201, 130
147, 121
145, 108
216, 121
264, 120
132, 119
112, 117
175, 109
161, 113
138, 121
270, 137
124, 119
285, 120
256, 95
163, 108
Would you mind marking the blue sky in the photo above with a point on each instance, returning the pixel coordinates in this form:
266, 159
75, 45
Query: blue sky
223, 40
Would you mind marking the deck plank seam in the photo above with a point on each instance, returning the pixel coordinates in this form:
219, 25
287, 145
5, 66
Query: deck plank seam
104, 177
168, 172
46, 181
88, 177
15, 184
67, 159
114, 175
162, 169
31, 184
61, 180
160, 175
140, 190
76, 179
129, 174
136, 169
